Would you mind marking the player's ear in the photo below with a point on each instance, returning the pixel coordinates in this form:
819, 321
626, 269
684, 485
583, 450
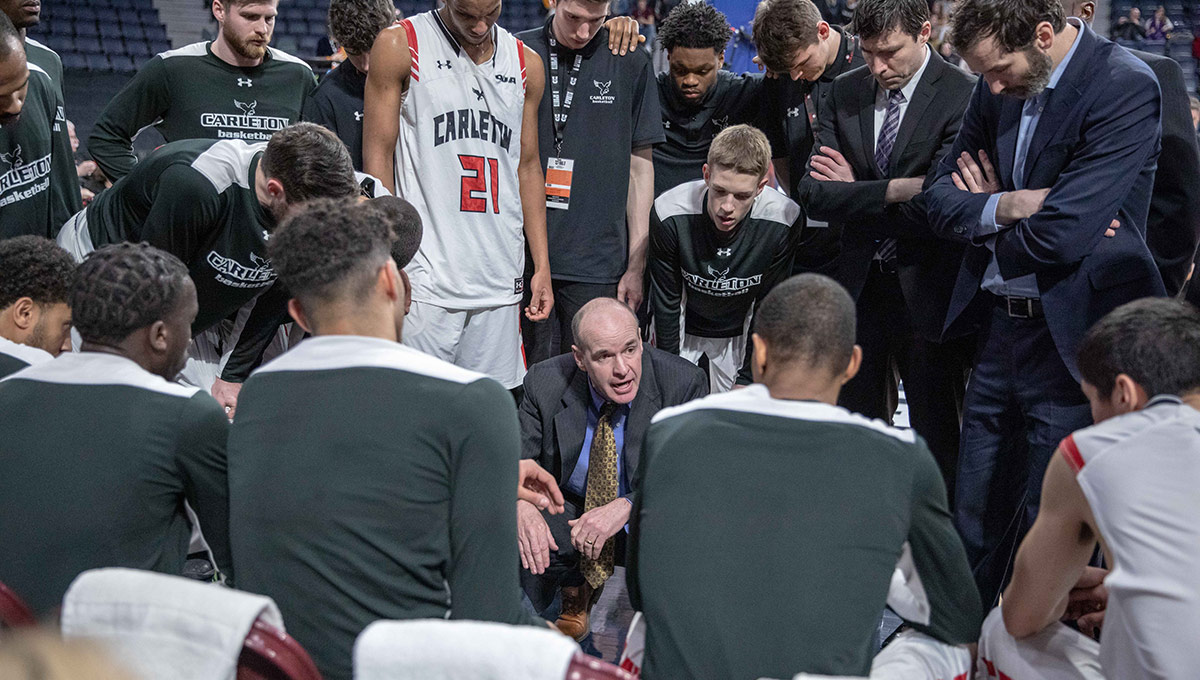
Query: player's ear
705, 170
23, 313
297, 312
275, 189
218, 10
853, 366
407, 291
758, 358
157, 337
1128, 395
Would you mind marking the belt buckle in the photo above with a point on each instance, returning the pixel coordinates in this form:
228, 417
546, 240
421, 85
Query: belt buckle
1020, 311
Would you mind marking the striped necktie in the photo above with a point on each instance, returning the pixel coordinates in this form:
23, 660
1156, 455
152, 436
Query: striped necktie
887, 133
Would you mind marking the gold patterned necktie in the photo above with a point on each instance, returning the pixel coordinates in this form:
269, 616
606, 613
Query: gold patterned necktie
601, 490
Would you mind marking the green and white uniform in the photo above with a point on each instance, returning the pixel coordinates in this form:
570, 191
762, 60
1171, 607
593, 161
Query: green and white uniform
97, 457
196, 200
190, 93
789, 519
39, 189
47, 60
15, 356
370, 481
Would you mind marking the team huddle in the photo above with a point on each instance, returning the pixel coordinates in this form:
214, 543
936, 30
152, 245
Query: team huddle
317, 344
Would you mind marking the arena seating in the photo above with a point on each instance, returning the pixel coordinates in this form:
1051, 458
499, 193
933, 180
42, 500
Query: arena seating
102, 35
1184, 15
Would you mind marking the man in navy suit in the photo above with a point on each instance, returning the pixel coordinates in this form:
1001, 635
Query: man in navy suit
1056, 236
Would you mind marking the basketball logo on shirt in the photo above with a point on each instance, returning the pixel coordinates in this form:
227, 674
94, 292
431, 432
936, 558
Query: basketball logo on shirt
24, 180
604, 97
234, 274
231, 126
721, 285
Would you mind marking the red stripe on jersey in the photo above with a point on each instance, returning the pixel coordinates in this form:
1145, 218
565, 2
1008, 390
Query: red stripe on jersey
411, 32
1071, 453
521, 58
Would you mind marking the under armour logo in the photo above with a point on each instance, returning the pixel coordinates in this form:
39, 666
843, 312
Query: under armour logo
501, 78
794, 112
443, 64
245, 82
245, 108
13, 158
478, 94
358, 116
603, 87
724, 252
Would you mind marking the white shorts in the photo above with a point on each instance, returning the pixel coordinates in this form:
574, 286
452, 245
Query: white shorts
725, 358
210, 350
1056, 653
487, 340
74, 237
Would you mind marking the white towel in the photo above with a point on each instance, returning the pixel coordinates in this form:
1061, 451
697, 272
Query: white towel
434, 649
164, 627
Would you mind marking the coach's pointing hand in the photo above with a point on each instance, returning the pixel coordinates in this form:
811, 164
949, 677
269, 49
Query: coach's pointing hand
226, 394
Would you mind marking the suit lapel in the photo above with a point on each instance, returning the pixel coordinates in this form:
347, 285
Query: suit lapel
1062, 99
570, 424
645, 405
922, 96
866, 124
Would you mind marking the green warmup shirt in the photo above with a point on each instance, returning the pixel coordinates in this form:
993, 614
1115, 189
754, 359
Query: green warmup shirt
190, 93
39, 189
766, 533
195, 199
370, 481
15, 356
47, 60
96, 459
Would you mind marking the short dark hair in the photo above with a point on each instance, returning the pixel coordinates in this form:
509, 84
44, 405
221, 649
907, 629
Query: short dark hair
123, 287
331, 248
10, 39
873, 18
781, 27
36, 268
696, 25
1155, 341
356, 23
1011, 23
310, 162
808, 318
405, 222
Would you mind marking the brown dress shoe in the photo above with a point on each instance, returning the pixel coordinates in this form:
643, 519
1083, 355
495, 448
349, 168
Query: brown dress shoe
577, 603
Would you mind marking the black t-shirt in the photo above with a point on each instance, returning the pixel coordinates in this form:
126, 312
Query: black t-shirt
785, 106
690, 128
615, 110
338, 105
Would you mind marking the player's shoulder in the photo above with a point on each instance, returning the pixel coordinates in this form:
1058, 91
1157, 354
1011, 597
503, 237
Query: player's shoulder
336, 352
773, 206
35, 46
280, 59
223, 163
755, 400
39, 79
194, 50
684, 200
95, 369
1121, 433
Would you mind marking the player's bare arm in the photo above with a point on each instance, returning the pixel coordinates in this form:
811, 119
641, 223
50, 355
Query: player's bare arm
637, 216
387, 81
533, 192
1053, 555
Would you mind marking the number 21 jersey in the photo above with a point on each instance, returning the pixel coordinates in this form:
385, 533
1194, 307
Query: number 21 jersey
457, 154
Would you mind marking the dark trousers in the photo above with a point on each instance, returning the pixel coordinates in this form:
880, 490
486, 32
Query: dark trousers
549, 338
934, 373
564, 562
1021, 402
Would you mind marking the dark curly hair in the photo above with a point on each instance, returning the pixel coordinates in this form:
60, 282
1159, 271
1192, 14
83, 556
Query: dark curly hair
1010, 22
36, 268
694, 24
331, 248
356, 23
310, 162
1155, 341
123, 287
405, 222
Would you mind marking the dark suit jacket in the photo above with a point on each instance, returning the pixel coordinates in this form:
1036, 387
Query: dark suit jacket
1173, 228
554, 410
1096, 147
926, 265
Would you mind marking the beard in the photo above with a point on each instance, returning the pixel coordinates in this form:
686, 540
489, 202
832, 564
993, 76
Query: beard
246, 48
1038, 77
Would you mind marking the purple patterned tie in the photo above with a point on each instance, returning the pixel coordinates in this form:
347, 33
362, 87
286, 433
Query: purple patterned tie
887, 133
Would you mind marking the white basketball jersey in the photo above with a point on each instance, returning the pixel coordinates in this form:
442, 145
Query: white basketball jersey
456, 161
